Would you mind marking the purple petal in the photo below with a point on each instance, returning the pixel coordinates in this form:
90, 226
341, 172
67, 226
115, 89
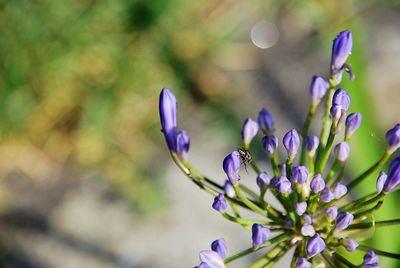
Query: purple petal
220, 247
168, 117
315, 245
231, 166
182, 144
212, 258
266, 121
249, 130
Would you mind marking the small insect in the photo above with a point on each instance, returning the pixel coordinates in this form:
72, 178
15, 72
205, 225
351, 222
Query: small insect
245, 156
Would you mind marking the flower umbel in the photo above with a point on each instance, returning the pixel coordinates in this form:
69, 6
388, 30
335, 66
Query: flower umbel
313, 212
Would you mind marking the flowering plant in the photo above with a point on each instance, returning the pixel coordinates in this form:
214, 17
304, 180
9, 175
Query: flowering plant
313, 211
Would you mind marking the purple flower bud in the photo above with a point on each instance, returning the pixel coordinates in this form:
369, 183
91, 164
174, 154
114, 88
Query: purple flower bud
341, 50
317, 184
203, 265
219, 203
168, 117
270, 144
307, 230
315, 245
182, 144
259, 234
291, 141
331, 212
283, 185
380, 182
393, 138
338, 116
307, 218
353, 122
327, 195
212, 259
312, 143
220, 247
342, 151
343, 220
263, 181
282, 169
341, 98
301, 208
371, 260
318, 88
249, 130
231, 167
266, 121
299, 174
303, 263
351, 245
228, 189
339, 190
393, 178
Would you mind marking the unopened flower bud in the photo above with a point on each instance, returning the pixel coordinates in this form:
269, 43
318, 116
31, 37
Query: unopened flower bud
283, 185
341, 98
291, 141
380, 182
303, 263
353, 122
270, 144
220, 247
315, 245
212, 259
307, 230
318, 88
393, 138
351, 245
343, 220
338, 116
203, 265
231, 167
249, 131
317, 184
342, 151
259, 234
393, 178
263, 181
266, 121
341, 49
331, 213
182, 144
312, 143
371, 260
308, 219
339, 190
299, 174
219, 203
168, 117
228, 189
301, 208
326, 195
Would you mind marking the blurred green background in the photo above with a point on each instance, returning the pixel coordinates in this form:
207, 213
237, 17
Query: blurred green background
81, 152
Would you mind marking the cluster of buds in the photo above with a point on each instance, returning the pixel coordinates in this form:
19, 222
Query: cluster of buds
313, 211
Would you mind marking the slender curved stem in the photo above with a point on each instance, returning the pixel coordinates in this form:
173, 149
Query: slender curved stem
344, 261
367, 225
379, 252
306, 130
326, 120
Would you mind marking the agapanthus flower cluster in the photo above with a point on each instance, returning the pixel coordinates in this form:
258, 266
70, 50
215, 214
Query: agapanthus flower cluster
314, 210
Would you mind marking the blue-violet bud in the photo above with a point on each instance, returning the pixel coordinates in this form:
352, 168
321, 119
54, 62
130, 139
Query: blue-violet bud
231, 166
353, 122
307, 230
300, 208
168, 117
343, 220
270, 144
312, 143
219, 203
317, 184
371, 260
283, 185
212, 259
380, 182
327, 195
351, 245
308, 218
299, 174
291, 141
315, 245
341, 49
393, 178
342, 151
220, 247
341, 98
331, 212
266, 121
263, 181
259, 234
249, 131
393, 138
303, 263
318, 88
203, 265
182, 144
339, 190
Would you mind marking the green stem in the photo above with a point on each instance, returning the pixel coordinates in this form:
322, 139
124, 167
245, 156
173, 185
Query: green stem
367, 225
356, 202
255, 167
243, 221
369, 211
378, 197
275, 163
326, 118
324, 156
307, 124
249, 203
345, 261
369, 171
379, 252
265, 261
332, 171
